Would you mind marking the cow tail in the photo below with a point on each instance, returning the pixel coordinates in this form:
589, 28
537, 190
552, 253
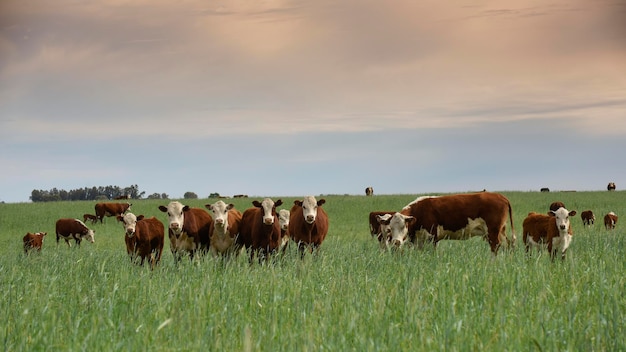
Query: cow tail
513, 237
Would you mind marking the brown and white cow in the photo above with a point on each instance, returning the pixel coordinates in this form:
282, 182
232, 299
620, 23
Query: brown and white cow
588, 217
73, 229
384, 236
610, 220
188, 229
374, 223
554, 230
144, 237
33, 241
308, 223
456, 217
224, 228
260, 229
369, 191
110, 209
610, 186
556, 205
283, 221
90, 217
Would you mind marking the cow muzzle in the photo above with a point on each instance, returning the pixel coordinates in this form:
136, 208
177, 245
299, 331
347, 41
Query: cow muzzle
310, 219
268, 221
130, 232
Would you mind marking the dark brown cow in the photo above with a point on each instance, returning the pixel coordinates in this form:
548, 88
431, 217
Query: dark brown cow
33, 241
556, 205
588, 217
144, 237
188, 229
610, 186
73, 229
111, 209
308, 223
127, 196
610, 220
369, 191
90, 217
459, 216
260, 229
554, 230
224, 228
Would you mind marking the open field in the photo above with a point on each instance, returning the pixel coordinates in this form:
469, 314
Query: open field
352, 296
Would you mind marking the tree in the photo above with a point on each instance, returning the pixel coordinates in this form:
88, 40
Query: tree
190, 195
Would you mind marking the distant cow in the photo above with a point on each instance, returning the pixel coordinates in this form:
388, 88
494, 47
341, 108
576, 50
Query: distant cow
610, 220
73, 229
610, 186
144, 237
224, 228
126, 196
588, 217
111, 209
260, 229
90, 217
545, 189
308, 223
554, 230
240, 196
283, 221
369, 191
556, 205
33, 241
188, 229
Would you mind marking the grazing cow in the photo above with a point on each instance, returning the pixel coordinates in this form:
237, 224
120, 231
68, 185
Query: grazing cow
260, 229
610, 186
369, 191
588, 217
283, 221
308, 223
144, 237
240, 196
126, 196
188, 229
556, 205
73, 229
456, 217
554, 230
610, 220
33, 241
111, 209
224, 228
90, 217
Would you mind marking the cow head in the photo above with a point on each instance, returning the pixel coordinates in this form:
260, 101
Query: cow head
562, 219
220, 213
175, 216
384, 236
89, 235
269, 209
399, 229
309, 208
283, 219
129, 220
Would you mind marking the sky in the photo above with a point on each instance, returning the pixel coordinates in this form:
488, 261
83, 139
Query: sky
295, 98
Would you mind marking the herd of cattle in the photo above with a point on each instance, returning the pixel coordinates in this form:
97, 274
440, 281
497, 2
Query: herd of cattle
263, 230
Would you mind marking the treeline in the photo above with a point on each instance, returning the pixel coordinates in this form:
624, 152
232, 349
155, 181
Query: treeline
93, 193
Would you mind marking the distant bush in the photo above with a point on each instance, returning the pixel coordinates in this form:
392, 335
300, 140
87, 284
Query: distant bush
190, 195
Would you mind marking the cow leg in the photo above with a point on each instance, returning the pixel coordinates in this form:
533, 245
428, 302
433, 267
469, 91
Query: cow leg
494, 242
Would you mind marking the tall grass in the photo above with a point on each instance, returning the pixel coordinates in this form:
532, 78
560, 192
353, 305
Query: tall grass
350, 296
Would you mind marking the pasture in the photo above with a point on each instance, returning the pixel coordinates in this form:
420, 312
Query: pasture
351, 296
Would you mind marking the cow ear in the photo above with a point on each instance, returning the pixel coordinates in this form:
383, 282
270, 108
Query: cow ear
278, 203
297, 202
551, 213
321, 202
163, 208
572, 213
230, 206
409, 220
185, 208
208, 206
256, 203
120, 218
140, 217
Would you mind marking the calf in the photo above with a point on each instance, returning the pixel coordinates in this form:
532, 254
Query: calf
188, 229
144, 237
610, 220
553, 229
33, 241
224, 228
90, 217
260, 230
110, 209
73, 229
588, 217
283, 221
308, 223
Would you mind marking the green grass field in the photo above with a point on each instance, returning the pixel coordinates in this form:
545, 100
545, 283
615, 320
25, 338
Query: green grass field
351, 297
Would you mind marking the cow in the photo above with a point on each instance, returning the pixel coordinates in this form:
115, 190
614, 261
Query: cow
283, 221
457, 217
188, 229
90, 217
588, 217
384, 235
126, 196
553, 229
111, 209
33, 241
144, 237
610, 220
308, 223
374, 223
544, 189
610, 186
224, 228
259, 230
556, 205
68, 229
369, 191
240, 196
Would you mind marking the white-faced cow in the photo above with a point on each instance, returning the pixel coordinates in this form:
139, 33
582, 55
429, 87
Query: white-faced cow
224, 229
588, 217
260, 229
33, 241
375, 225
283, 221
610, 186
308, 223
553, 229
384, 235
610, 220
188, 229
110, 209
73, 229
144, 237
456, 217
369, 191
